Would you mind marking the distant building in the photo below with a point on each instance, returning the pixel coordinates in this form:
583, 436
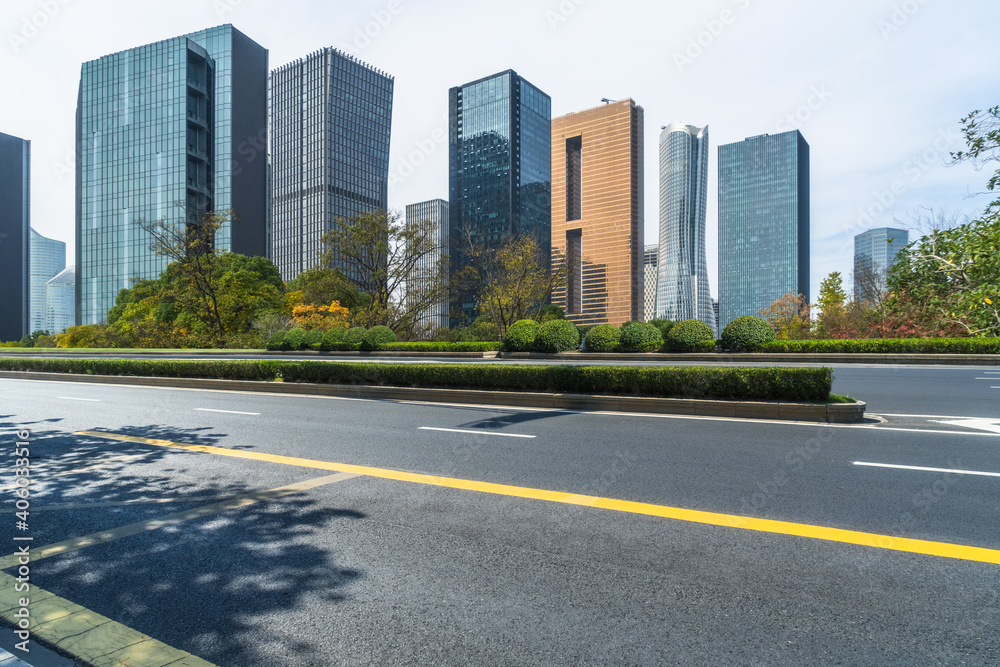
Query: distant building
715, 312
874, 254
436, 211
168, 131
763, 223
331, 117
649, 262
597, 212
15, 221
499, 174
683, 291
48, 258
60, 297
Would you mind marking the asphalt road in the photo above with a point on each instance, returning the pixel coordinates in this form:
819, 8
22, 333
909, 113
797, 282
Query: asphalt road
399, 566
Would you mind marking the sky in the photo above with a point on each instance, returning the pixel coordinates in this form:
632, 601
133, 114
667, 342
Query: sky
877, 87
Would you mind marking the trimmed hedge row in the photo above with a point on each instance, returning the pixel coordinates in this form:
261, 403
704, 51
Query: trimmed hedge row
887, 346
792, 384
380, 338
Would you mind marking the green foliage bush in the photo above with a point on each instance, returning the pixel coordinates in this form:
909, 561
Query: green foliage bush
332, 338
312, 340
792, 384
690, 336
888, 346
746, 334
664, 326
520, 336
377, 338
355, 335
278, 341
557, 336
295, 339
470, 346
603, 338
639, 337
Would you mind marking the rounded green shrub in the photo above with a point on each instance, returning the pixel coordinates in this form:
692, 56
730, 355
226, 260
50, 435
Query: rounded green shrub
603, 338
520, 336
355, 335
557, 336
312, 339
295, 338
639, 337
664, 326
690, 336
378, 337
277, 341
332, 338
746, 334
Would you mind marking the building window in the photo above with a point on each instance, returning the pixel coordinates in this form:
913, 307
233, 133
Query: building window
574, 178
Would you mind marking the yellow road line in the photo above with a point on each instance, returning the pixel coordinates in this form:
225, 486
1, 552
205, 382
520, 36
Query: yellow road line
85, 634
942, 549
73, 544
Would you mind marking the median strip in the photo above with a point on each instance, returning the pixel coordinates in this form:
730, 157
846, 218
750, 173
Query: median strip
874, 540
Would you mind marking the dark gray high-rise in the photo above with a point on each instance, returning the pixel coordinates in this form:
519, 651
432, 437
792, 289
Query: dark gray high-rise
500, 169
167, 131
763, 223
331, 118
15, 220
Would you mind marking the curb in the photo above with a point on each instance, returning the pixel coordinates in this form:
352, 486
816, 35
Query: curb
772, 357
834, 413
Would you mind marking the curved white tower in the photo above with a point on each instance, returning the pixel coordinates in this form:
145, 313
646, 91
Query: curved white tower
682, 291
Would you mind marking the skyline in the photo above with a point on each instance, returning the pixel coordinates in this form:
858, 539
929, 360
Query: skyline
879, 107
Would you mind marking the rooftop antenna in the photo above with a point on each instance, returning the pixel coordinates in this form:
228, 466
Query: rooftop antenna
606, 100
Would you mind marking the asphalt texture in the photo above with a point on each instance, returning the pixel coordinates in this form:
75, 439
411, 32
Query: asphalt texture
371, 571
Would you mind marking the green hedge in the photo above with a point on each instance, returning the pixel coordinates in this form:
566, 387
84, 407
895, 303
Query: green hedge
792, 384
746, 333
887, 346
639, 337
603, 338
520, 336
556, 336
689, 336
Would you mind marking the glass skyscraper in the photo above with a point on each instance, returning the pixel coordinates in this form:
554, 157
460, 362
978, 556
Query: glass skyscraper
650, 261
167, 131
874, 254
331, 118
682, 291
435, 211
15, 221
60, 301
763, 223
499, 171
48, 258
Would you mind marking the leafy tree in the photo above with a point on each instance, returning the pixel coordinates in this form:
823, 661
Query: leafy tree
323, 318
982, 136
834, 320
789, 317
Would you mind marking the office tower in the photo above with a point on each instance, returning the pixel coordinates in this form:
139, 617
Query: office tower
48, 258
59, 301
15, 220
167, 131
874, 254
426, 268
597, 213
683, 291
499, 176
763, 223
715, 314
650, 255
330, 126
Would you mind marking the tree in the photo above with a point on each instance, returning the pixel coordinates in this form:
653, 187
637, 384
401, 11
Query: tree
789, 317
834, 320
398, 267
981, 130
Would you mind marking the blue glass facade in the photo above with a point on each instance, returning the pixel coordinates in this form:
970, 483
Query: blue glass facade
167, 131
500, 165
682, 289
331, 118
425, 268
874, 254
15, 221
763, 223
48, 258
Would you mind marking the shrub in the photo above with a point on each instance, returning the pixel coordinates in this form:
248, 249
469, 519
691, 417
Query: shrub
295, 339
557, 336
355, 335
639, 337
520, 336
332, 338
377, 337
690, 336
313, 339
603, 338
664, 326
278, 341
888, 346
746, 334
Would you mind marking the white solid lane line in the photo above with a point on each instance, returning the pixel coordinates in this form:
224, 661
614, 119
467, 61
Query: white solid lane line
228, 412
73, 398
923, 469
458, 430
